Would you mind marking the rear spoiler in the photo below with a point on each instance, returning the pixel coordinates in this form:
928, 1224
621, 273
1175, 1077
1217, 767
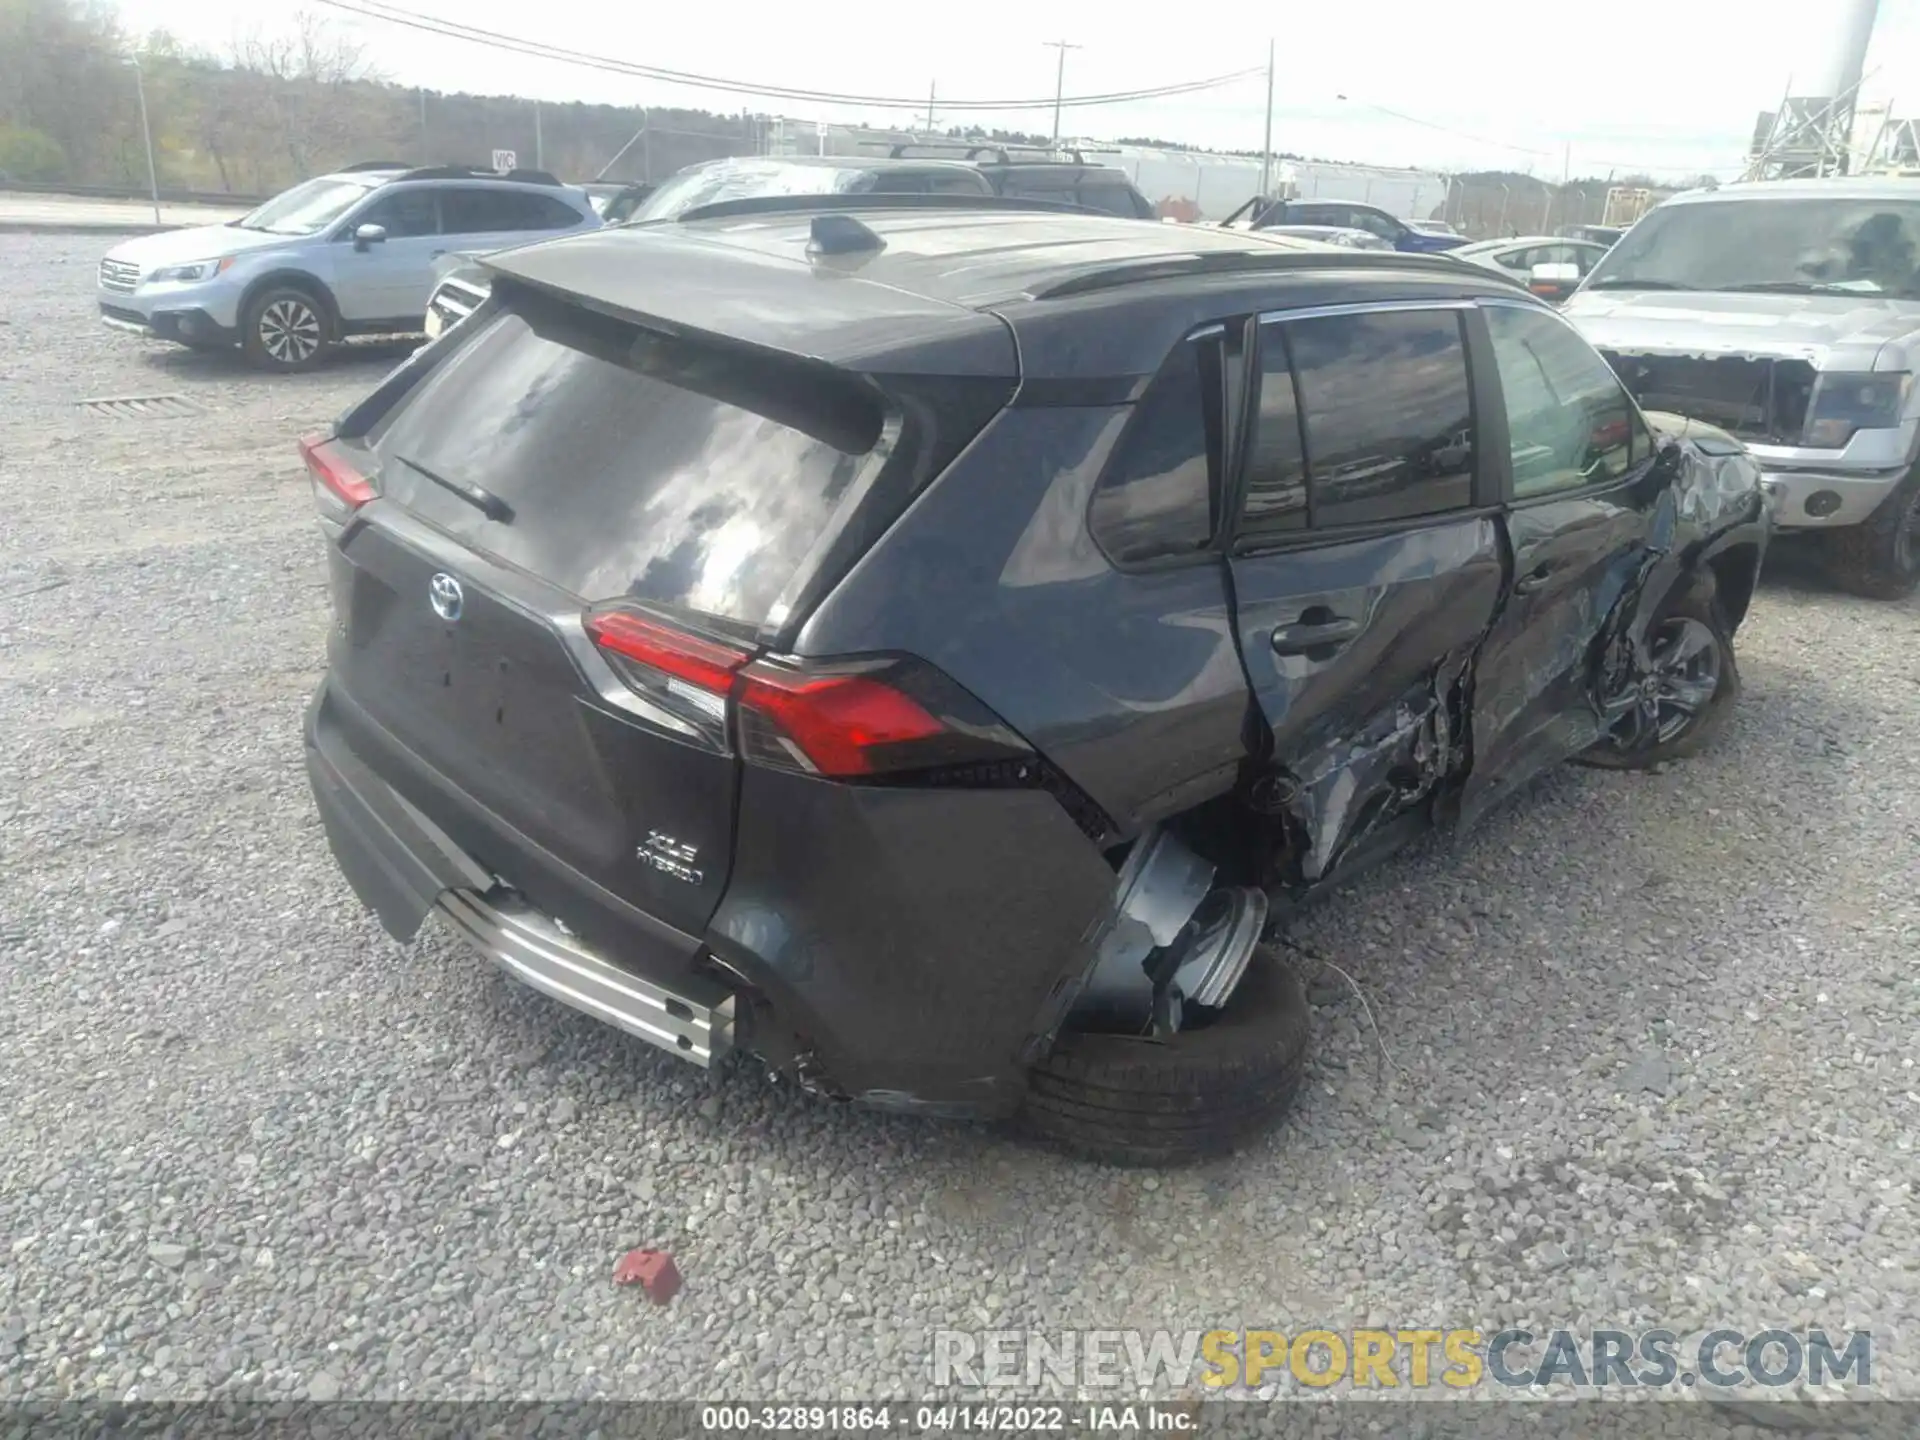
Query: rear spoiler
702, 287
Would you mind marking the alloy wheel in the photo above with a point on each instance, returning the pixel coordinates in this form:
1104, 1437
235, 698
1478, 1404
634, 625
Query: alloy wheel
1679, 682
290, 331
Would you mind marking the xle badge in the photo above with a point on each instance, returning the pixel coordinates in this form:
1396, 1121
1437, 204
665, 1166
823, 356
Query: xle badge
670, 857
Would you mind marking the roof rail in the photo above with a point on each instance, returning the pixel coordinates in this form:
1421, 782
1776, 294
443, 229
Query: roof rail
360, 165
993, 152
808, 204
1228, 262
469, 172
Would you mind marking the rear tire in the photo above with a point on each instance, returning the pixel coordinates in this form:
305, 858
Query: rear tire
1132, 1101
1695, 618
1880, 557
286, 329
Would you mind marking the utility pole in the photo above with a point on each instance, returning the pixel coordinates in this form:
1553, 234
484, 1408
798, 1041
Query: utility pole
539, 149
1059, 81
1266, 145
146, 132
933, 89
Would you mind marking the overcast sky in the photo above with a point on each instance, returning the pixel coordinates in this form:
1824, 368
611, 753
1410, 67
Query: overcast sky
1668, 86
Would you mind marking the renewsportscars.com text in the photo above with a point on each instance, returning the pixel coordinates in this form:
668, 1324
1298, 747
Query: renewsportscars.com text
1413, 1358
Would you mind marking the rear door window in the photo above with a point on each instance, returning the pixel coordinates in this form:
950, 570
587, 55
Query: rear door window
1276, 490
1362, 419
1387, 412
629, 465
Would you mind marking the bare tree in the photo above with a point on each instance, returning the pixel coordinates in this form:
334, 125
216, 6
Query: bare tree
305, 76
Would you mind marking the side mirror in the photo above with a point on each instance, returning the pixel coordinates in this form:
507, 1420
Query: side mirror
368, 235
1553, 282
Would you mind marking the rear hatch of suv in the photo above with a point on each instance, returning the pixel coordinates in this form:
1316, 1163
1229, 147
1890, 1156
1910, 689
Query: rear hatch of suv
562, 549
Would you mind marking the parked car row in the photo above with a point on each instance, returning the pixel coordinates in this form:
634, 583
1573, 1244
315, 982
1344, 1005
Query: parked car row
362, 251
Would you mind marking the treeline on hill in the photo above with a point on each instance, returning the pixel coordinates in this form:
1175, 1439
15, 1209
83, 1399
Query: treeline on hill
278, 108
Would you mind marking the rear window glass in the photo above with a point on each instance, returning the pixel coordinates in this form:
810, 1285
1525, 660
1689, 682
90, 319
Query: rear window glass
632, 464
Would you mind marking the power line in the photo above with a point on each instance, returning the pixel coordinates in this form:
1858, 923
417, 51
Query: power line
1528, 150
473, 34
1444, 129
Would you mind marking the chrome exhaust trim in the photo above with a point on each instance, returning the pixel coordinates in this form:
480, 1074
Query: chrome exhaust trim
536, 951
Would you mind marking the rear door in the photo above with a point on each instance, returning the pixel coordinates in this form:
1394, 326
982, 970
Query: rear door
1366, 565
1580, 523
555, 462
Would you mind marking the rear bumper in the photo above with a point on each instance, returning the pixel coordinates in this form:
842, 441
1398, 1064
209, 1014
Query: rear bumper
536, 951
403, 866
910, 949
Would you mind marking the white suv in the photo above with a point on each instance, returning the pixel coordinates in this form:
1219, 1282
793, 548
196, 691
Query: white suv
350, 253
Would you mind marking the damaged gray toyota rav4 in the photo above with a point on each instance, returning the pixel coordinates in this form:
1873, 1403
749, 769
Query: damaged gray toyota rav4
927, 643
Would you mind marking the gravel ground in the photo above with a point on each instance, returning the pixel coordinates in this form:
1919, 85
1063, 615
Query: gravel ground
1644, 1050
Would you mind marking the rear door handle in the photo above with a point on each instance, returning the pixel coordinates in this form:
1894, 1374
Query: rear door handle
1535, 579
1312, 635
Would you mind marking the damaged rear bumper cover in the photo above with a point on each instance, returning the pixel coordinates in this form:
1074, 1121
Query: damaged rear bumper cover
403, 866
850, 950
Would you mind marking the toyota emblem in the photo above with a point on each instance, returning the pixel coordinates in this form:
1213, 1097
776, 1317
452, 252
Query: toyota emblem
447, 597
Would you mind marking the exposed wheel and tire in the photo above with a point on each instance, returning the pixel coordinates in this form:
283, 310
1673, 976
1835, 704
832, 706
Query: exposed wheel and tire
1685, 698
286, 329
1140, 1101
1880, 557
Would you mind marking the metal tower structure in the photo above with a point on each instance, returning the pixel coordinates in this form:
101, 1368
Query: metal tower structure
1812, 131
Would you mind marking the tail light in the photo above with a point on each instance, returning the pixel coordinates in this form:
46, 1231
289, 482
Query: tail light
865, 718
338, 488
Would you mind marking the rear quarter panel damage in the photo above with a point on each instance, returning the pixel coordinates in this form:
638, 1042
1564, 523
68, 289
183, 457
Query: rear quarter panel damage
910, 940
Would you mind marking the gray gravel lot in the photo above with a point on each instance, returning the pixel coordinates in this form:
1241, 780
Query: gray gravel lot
1651, 1038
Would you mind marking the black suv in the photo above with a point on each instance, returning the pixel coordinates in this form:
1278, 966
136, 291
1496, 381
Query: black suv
1065, 178
927, 644
741, 177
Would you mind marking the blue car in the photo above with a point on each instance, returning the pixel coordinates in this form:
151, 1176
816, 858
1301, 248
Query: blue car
1349, 215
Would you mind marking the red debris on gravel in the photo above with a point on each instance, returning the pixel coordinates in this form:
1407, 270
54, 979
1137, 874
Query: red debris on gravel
652, 1270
